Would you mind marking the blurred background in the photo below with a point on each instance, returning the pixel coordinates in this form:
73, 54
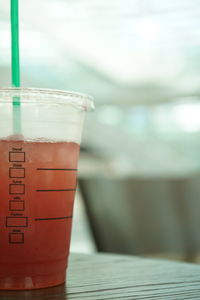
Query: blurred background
139, 178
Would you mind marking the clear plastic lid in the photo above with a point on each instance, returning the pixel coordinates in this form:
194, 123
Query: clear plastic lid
36, 95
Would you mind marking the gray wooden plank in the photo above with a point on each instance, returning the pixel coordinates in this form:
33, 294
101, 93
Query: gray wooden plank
106, 277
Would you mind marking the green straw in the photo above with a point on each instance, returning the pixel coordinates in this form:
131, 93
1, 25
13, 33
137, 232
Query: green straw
14, 14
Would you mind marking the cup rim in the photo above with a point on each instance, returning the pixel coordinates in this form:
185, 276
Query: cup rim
47, 96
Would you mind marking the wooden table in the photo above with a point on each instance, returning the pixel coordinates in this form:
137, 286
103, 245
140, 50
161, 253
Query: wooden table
101, 276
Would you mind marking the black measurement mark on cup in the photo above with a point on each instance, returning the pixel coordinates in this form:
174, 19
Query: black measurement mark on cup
16, 172
16, 205
62, 190
16, 221
17, 156
57, 218
17, 189
16, 238
53, 169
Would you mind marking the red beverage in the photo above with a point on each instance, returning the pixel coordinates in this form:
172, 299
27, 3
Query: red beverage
38, 182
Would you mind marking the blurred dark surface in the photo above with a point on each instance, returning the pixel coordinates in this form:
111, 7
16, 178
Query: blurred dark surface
144, 216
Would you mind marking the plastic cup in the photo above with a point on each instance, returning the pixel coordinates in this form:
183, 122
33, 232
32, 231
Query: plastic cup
38, 172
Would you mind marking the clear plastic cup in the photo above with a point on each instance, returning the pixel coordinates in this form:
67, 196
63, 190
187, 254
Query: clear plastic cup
38, 172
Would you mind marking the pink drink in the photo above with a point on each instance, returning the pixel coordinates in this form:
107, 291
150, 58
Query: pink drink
38, 183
